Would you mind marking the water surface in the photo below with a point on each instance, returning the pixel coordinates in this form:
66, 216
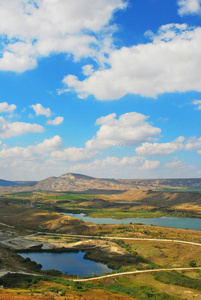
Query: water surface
174, 222
70, 263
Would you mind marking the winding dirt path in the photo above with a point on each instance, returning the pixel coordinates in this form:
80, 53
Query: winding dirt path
130, 272
4, 272
135, 272
140, 271
135, 239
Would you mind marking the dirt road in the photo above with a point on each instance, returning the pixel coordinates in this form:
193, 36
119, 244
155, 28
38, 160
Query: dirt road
135, 272
135, 239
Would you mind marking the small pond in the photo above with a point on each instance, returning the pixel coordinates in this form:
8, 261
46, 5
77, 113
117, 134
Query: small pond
68, 262
174, 222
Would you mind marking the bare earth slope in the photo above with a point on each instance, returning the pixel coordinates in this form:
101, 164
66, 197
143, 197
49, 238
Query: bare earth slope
81, 183
77, 182
71, 182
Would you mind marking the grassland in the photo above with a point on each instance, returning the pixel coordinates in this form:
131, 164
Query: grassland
39, 213
127, 287
142, 204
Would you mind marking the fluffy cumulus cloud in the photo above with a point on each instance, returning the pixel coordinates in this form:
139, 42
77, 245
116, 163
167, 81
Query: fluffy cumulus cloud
150, 149
180, 169
150, 164
32, 152
73, 154
131, 129
6, 108
112, 161
47, 156
170, 63
154, 149
187, 7
116, 167
178, 165
48, 145
8, 129
42, 27
197, 103
193, 143
55, 122
40, 110
32, 162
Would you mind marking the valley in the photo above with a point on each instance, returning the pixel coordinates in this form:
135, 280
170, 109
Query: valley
146, 262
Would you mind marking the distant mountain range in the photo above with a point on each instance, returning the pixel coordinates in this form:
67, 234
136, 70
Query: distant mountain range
13, 183
78, 183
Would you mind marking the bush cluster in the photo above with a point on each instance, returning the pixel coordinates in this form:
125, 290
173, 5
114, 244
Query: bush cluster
176, 278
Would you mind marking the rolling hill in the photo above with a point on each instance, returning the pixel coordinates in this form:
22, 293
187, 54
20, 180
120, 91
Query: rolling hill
72, 182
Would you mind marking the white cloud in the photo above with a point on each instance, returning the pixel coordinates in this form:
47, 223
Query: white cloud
126, 167
31, 152
8, 129
32, 162
151, 149
48, 145
161, 149
180, 169
52, 149
40, 28
15, 152
41, 160
171, 63
108, 163
87, 70
16, 62
150, 165
40, 110
169, 32
197, 103
187, 7
130, 129
73, 154
178, 165
5, 107
56, 121
193, 143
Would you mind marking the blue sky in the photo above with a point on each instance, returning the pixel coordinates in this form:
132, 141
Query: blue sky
107, 88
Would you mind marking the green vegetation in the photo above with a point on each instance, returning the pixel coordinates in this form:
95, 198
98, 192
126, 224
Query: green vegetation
117, 213
168, 201
32, 265
179, 190
192, 263
74, 286
178, 279
19, 280
12, 200
36, 211
131, 289
22, 194
149, 264
68, 196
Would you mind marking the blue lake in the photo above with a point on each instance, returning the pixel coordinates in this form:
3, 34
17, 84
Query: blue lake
174, 222
70, 263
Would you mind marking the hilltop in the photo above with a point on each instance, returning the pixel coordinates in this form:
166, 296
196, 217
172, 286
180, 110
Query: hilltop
72, 182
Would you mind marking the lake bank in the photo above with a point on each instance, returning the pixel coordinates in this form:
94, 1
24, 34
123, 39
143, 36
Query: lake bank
68, 263
172, 222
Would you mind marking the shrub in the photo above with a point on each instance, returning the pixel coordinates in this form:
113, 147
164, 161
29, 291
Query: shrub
18, 280
178, 279
192, 263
